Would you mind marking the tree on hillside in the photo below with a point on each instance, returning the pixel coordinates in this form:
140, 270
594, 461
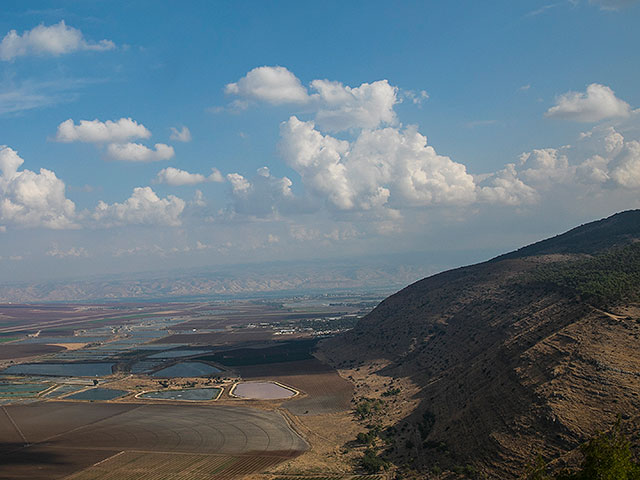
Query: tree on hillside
607, 456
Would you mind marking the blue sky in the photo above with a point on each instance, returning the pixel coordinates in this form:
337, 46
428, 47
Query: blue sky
385, 127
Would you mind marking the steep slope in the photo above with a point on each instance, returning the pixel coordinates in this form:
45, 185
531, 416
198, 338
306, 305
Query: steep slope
515, 355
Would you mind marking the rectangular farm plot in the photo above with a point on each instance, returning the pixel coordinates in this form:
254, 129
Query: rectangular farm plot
160, 466
177, 353
18, 350
186, 369
291, 351
61, 369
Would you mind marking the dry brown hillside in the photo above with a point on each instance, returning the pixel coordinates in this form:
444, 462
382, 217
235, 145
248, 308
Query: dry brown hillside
530, 352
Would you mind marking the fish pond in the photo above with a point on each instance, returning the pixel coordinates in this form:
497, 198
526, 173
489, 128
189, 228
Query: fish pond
262, 391
98, 394
193, 394
144, 366
11, 390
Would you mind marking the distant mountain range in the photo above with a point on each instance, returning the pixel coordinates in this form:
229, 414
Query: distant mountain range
223, 282
533, 351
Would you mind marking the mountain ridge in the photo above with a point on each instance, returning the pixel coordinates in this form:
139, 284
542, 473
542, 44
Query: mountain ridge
587, 238
506, 364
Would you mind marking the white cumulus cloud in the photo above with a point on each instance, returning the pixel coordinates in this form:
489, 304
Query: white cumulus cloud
626, 167
613, 162
544, 165
215, 176
175, 176
239, 184
343, 107
504, 187
95, 131
264, 195
385, 167
593, 170
337, 107
602, 159
275, 85
31, 199
52, 40
136, 152
144, 207
385, 170
182, 135
597, 103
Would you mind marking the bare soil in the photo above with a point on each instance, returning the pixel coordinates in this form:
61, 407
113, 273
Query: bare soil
16, 350
52, 439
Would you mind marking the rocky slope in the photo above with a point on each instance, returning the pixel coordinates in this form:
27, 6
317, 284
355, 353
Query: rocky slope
533, 351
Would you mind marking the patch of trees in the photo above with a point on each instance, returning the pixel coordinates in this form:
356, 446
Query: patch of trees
392, 392
371, 462
369, 407
367, 438
604, 279
607, 456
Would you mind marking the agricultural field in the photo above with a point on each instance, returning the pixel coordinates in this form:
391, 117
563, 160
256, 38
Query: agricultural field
54, 439
17, 350
181, 466
60, 320
118, 391
289, 351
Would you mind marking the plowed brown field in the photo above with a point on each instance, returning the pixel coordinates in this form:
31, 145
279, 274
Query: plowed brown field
16, 350
54, 439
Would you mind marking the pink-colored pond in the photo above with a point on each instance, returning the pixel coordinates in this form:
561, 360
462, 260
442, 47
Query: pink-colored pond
262, 391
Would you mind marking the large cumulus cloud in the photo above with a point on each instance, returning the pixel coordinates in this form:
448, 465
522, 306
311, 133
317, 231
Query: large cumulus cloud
96, 131
384, 167
597, 103
116, 134
32, 199
143, 207
337, 107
